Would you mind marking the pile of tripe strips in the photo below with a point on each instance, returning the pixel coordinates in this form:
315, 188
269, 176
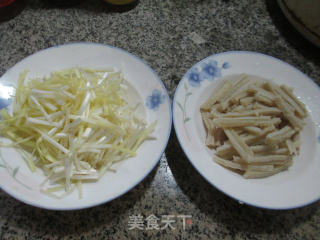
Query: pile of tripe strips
253, 125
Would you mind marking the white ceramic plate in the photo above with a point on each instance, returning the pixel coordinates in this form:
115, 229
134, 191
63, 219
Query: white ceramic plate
19, 182
296, 187
305, 20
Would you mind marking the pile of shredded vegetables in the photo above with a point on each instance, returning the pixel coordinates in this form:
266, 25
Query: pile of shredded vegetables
73, 125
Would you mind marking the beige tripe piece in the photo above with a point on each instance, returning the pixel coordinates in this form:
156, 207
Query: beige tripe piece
239, 145
216, 96
247, 113
207, 121
291, 147
237, 88
262, 92
259, 174
260, 168
279, 136
289, 92
263, 99
210, 141
295, 122
267, 149
276, 159
279, 92
253, 129
228, 163
244, 100
250, 139
246, 121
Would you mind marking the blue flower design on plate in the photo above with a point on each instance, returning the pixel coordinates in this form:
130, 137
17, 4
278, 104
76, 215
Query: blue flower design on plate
194, 77
226, 65
210, 70
153, 102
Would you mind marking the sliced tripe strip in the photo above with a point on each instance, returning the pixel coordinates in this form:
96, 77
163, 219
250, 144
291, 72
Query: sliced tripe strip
226, 150
258, 174
279, 136
244, 100
210, 141
228, 163
296, 144
300, 112
261, 148
269, 111
288, 102
277, 162
227, 147
253, 129
245, 121
240, 131
241, 94
215, 111
283, 95
239, 145
267, 149
216, 96
291, 147
237, 88
289, 92
281, 150
276, 159
253, 139
219, 136
262, 92
239, 108
207, 122
263, 99
295, 122
260, 105
260, 168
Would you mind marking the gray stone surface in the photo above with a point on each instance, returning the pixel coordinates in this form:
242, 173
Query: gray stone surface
171, 36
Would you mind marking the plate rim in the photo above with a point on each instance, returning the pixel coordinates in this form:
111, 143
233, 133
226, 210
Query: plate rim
118, 195
181, 141
304, 30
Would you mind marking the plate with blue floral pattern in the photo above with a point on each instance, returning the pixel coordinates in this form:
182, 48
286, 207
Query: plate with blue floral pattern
16, 178
293, 188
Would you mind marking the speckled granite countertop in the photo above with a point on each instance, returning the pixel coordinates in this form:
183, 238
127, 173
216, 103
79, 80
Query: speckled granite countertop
170, 35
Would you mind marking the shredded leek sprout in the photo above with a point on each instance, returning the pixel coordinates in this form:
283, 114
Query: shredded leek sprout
74, 125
